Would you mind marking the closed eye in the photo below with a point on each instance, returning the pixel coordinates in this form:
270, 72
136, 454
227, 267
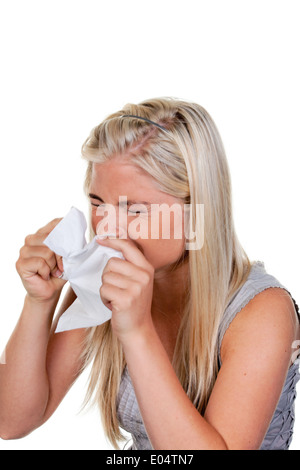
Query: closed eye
134, 212
96, 205
136, 208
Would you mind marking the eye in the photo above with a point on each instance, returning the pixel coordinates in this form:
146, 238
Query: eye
135, 212
95, 200
137, 209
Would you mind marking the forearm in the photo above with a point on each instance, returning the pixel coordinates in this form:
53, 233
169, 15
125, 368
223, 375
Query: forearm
171, 420
24, 387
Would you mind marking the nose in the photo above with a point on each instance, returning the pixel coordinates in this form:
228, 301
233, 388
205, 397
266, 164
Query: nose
112, 224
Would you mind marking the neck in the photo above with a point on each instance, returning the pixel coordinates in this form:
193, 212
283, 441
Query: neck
169, 290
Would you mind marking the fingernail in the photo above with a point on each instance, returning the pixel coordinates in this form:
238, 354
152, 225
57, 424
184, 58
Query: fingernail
58, 273
101, 240
106, 235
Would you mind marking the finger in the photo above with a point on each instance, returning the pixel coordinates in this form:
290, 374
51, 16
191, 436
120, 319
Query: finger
37, 239
59, 262
41, 234
117, 265
115, 279
49, 227
44, 252
33, 266
39, 251
110, 294
130, 251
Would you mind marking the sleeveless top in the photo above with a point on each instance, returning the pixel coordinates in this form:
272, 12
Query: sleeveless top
280, 431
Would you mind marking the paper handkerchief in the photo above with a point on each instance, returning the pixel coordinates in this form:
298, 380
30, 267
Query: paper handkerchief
83, 266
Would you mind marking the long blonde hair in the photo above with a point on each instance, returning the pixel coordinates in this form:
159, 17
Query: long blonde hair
188, 161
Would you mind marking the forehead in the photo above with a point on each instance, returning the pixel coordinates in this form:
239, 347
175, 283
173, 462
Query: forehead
117, 167
120, 177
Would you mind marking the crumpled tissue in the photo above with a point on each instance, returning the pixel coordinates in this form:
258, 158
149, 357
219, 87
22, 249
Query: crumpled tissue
83, 266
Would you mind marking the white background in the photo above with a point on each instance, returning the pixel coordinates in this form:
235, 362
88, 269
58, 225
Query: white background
67, 64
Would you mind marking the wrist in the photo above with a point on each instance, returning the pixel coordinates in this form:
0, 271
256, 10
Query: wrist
139, 336
35, 304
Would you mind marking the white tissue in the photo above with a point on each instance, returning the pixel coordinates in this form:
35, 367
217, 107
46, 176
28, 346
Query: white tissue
83, 267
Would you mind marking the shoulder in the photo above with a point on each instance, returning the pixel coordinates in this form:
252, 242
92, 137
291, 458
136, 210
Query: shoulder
256, 354
268, 322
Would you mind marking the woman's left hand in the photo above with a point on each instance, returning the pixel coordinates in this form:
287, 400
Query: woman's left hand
127, 289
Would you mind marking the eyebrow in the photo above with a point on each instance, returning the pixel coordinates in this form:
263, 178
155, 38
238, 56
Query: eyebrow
94, 196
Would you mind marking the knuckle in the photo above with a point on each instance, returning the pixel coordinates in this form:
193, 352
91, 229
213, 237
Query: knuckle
151, 270
111, 262
40, 230
49, 227
48, 254
22, 251
55, 221
18, 265
28, 240
136, 289
145, 278
42, 265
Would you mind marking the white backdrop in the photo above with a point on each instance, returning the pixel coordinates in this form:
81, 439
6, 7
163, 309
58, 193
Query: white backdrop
66, 64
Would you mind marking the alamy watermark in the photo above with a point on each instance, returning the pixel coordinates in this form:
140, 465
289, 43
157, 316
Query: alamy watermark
153, 221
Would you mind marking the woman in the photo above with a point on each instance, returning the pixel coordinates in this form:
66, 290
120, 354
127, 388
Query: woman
198, 352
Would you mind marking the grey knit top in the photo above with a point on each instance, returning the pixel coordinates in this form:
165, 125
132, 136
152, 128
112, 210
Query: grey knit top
279, 434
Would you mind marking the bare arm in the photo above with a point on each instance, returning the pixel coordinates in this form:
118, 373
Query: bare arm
256, 356
64, 359
39, 366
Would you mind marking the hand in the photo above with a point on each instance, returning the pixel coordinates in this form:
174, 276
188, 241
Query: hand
127, 289
39, 267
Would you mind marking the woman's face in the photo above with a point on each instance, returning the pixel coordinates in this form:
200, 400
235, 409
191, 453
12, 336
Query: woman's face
123, 197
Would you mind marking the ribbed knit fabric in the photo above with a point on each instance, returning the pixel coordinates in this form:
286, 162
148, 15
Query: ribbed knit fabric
279, 434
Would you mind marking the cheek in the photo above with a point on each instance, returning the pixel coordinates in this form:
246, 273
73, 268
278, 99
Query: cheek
161, 252
163, 243
94, 221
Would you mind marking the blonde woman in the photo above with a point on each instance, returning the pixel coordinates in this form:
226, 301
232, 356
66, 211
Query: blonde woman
198, 353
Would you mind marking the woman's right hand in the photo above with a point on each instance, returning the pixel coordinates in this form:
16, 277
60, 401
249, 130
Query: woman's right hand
39, 267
